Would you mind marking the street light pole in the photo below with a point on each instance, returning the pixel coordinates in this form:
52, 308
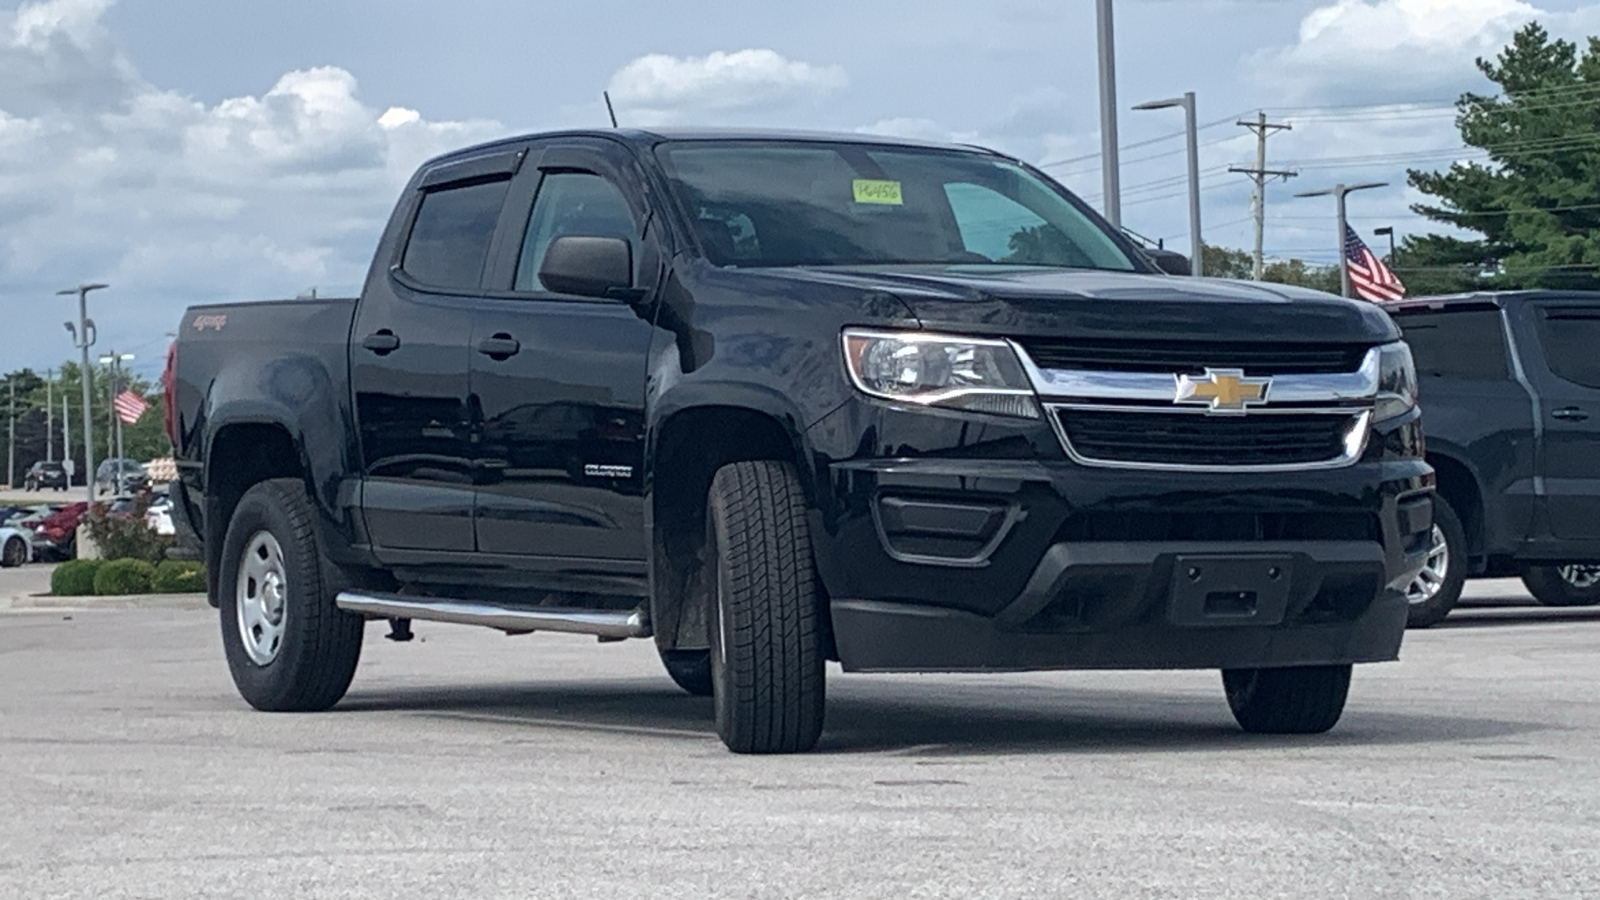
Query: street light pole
1387, 230
1110, 163
1197, 246
1339, 191
83, 337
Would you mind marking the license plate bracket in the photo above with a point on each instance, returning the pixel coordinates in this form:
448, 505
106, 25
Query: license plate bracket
1213, 590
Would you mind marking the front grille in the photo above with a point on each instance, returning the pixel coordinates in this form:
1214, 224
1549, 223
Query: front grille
1187, 357
1187, 439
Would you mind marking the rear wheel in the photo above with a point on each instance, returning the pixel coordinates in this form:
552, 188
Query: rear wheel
1437, 588
689, 669
766, 625
1297, 700
1570, 585
15, 553
288, 647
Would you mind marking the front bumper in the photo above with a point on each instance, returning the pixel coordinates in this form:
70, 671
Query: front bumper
946, 565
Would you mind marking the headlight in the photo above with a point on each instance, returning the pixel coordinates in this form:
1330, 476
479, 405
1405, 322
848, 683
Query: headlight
1397, 381
939, 370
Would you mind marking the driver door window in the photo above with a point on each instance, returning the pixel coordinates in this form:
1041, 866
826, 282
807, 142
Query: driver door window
572, 204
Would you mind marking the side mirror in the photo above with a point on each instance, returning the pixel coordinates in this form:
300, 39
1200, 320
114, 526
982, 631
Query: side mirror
587, 266
1170, 262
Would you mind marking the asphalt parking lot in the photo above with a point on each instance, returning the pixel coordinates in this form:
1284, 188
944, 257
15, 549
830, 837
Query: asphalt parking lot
467, 764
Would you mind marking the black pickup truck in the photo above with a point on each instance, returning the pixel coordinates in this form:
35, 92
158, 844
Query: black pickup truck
775, 399
1510, 386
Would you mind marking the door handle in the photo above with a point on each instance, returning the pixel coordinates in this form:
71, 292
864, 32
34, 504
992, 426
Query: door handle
501, 346
1570, 414
382, 343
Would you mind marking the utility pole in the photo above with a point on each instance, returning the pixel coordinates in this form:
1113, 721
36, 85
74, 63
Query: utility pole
1339, 191
49, 415
11, 451
83, 337
1260, 175
66, 439
1110, 161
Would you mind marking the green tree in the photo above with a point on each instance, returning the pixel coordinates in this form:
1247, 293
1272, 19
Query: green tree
1535, 200
143, 440
1225, 262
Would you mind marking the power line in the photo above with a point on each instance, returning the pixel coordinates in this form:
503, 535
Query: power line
1137, 144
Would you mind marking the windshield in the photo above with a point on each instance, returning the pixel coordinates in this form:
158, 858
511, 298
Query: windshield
814, 204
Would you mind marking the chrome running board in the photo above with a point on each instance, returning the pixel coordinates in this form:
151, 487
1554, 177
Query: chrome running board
609, 624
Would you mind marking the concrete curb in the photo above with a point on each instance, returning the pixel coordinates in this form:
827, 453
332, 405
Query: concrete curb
133, 601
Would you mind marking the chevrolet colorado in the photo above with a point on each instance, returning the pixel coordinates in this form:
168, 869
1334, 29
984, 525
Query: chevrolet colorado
772, 400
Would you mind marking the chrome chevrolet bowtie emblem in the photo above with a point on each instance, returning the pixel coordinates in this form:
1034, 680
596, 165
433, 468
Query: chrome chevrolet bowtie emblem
1222, 390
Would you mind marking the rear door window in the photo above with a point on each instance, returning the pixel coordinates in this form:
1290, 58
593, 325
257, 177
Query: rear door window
1570, 336
1468, 345
451, 234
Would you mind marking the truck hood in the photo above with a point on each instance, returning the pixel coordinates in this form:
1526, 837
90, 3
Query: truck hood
1081, 303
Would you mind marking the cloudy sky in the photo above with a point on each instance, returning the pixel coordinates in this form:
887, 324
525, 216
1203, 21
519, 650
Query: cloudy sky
196, 150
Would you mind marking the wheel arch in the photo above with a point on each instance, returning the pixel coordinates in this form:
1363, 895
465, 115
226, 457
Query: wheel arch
686, 448
256, 449
1458, 484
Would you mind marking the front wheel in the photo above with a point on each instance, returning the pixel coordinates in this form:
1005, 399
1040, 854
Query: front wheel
289, 648
1570, 585
767, 629
1436, 589
1296, 700
15, 553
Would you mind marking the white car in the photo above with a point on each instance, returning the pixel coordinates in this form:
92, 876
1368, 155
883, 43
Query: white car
159, 516
16, 547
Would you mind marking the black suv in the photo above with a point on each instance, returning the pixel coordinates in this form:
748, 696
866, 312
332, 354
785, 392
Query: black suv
43, 475
1509, 383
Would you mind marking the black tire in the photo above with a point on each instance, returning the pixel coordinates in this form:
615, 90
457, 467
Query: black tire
690, 670
1431, 611
15, 553
767, 631
1299, 700
320, 644
1550, 587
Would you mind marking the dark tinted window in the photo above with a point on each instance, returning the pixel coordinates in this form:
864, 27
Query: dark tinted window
1571, 340
1468, 345
572, 204
450, 238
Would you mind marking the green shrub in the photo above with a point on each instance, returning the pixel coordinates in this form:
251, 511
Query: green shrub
125, 535
74, 578
179, 577
124, 576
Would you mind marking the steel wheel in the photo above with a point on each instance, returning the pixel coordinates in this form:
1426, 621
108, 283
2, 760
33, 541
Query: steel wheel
1580, 577
1426, 585
260, 596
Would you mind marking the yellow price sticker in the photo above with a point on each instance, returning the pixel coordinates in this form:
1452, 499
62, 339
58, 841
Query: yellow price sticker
883, 193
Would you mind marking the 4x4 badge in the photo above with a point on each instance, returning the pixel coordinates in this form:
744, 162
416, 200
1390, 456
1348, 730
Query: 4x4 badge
1222, 390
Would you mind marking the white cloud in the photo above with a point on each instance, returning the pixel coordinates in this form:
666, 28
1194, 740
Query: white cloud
105, 176
1390, 49
657, 89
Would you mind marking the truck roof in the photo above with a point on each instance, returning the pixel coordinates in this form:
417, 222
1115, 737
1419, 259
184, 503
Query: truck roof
1481, 300
645, 138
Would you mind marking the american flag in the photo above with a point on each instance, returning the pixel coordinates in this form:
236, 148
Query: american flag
130, 406
1371, 279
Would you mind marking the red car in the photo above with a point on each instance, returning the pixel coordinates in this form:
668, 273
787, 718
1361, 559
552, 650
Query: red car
56, 535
